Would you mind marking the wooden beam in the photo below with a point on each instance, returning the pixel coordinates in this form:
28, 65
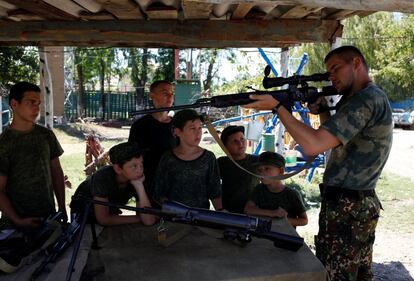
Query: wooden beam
403, 6
170, 33
43, 9
161, 12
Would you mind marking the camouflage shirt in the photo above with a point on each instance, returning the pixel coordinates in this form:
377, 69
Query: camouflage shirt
25, 160
288, 199
103, 184
236, 183
189, 182
363, 124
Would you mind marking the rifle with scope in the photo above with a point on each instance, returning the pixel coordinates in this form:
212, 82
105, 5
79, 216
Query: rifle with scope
298, 91
235, 226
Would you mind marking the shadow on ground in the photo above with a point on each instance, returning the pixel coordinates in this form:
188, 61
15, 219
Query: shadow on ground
391, 271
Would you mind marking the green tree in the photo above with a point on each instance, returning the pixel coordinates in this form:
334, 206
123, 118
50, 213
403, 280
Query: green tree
19, 64
165, 62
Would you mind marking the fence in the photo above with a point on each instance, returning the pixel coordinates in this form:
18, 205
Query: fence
116, 105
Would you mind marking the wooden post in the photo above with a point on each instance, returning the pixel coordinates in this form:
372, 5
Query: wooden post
284, 68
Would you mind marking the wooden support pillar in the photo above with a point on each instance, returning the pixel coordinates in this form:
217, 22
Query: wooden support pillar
284, 68
52, 84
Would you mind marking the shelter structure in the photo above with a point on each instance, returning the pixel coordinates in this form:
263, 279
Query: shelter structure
181, 23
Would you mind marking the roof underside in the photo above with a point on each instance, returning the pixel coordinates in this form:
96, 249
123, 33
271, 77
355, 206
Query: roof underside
181, 23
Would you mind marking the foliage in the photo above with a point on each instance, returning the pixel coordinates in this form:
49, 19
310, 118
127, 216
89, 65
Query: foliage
387, 42
165, 65
19, 64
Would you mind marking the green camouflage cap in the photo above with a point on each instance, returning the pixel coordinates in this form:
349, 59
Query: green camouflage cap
270, 158
123, 152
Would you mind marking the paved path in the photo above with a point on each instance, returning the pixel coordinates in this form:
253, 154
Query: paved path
401, 159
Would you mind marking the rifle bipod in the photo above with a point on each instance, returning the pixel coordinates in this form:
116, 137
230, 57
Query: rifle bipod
71, 267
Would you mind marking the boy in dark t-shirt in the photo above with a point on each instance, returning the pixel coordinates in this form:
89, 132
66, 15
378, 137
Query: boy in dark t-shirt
116, 183
188, 174
272, 198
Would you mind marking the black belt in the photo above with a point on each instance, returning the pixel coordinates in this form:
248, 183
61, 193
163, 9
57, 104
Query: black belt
335, 193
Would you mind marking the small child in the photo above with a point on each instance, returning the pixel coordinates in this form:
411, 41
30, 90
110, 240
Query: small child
272, 198
188, 174
116, 183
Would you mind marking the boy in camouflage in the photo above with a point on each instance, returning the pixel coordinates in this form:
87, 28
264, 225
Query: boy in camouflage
360, 136
30, 171
188, 174
272, 198
116, 183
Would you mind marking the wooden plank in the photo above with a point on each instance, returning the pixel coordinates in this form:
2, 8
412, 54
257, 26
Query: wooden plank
21, 14
67, 6
195, 10
170, 33
161, 12
241, 10
43, 9
404, 6
299, 12
340, 14
122, 9
102, 15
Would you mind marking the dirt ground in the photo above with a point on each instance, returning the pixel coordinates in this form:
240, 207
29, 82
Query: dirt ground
393, 253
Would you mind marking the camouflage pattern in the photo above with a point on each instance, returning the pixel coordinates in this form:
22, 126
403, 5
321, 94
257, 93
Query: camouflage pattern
363, 124
237, 185
346, 236
288, 199
25, 160
189, 182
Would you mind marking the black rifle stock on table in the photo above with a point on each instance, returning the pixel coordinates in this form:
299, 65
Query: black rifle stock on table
298, 90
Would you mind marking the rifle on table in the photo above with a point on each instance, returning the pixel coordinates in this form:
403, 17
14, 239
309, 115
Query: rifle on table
239, 226
234, 226
286, 97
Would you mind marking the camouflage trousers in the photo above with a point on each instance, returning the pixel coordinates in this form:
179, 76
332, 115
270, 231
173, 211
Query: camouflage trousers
346, 237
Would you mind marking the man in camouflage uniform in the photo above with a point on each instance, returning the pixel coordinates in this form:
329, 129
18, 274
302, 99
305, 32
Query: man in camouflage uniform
360, 136
30, 171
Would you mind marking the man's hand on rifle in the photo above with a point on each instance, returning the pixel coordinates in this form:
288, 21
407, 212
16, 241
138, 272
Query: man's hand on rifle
262, 102
320, 105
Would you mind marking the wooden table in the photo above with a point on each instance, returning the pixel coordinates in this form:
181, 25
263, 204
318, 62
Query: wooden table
132, 252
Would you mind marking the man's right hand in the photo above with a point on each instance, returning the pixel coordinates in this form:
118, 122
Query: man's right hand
320, 105
29, 222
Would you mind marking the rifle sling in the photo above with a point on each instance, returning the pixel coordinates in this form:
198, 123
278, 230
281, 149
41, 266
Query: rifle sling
213, 132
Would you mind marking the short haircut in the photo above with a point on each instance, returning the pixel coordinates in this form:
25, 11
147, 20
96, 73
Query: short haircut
17, 91
347, 53
123, 152
183, 116
155, 84
230, 130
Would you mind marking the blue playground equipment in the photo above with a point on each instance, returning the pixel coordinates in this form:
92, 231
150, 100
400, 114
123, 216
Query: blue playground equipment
269, 126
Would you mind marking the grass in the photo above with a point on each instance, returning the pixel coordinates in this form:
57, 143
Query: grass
396, 193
